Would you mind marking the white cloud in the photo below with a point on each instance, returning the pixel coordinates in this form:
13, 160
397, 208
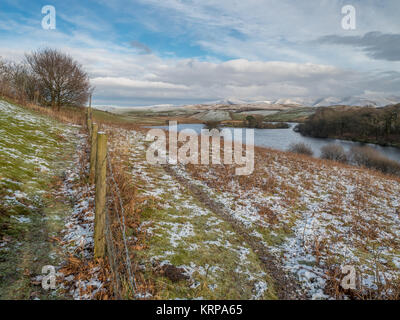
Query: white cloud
269, 45
270, 29
190, 79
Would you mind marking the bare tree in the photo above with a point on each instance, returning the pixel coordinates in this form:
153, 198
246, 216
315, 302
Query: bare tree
2, 68
22, 81
62, 80
4, 77
16, 80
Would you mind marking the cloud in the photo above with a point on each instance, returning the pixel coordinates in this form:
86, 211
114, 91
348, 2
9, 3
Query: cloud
375, 44
141, 47
152, 80
251, 50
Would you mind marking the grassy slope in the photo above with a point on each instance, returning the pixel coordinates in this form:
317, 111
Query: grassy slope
314, 216
293, 115
196, 116
34, 150
182, 232
141, 118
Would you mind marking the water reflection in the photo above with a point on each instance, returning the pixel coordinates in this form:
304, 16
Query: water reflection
281, 139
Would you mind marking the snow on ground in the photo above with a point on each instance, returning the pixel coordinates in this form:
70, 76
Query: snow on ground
314, 216
79, 230
183, 233
32, 150
14, 136
28, 146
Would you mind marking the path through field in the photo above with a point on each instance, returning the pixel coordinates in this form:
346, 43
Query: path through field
203, 252
35, 151
284, 232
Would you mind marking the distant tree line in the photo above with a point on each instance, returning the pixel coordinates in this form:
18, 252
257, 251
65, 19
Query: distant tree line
364, 124
47, 77
257, 122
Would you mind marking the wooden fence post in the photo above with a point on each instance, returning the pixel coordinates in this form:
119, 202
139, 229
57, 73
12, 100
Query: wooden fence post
93, 153
87, 117
89, 121
100, 197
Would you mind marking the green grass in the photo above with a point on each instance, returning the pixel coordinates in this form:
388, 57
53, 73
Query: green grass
135, 118
112, 117
226, 282
29, 144
292, 115
212, 243
34, 151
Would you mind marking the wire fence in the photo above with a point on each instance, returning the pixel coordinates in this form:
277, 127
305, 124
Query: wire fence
119, 256
111, 222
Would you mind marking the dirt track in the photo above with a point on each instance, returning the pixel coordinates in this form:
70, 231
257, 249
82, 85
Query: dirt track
286, 286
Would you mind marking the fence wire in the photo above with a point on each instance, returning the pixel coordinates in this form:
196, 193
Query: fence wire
113, 250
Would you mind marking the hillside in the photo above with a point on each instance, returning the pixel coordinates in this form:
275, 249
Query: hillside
193, 232
159, 115
283, 232
280, 110
35, 151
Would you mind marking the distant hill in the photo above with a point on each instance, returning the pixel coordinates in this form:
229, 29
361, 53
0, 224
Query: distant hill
357, 101
234, 104
280, 110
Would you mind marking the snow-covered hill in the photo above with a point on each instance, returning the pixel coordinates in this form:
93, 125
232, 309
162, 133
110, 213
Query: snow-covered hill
278, 104
357, 101
362, 100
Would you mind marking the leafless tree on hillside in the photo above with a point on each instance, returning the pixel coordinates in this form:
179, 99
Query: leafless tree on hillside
62, 81
17, 81
4, 78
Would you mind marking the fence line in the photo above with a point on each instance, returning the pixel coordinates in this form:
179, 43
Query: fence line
100, 196
111, 249
105, 243
121, 220
93, 154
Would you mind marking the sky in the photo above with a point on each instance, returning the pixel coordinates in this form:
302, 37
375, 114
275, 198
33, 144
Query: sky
147, 52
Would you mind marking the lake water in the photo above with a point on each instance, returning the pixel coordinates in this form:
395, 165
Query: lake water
281, 139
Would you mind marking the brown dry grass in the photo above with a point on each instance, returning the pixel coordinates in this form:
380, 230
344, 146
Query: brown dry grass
270, 164
132, 203
263, 177
76, 264
66, 115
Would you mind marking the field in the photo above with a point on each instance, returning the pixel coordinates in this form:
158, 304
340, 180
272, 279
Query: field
293, 115
294, 218
203, 113
193, 232
34, 151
